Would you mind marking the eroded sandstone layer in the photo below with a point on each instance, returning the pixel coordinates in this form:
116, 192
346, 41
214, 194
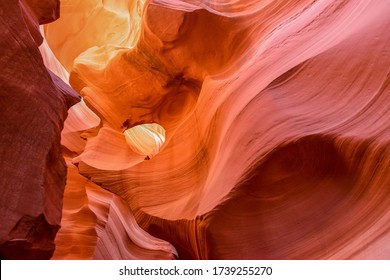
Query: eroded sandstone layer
277, 128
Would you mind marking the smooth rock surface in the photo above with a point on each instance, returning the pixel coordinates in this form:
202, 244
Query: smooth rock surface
277, 122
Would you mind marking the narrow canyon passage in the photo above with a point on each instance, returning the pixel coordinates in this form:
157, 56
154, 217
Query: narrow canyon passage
184, 129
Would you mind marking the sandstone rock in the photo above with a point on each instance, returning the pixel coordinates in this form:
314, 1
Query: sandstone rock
34, 106
276, 116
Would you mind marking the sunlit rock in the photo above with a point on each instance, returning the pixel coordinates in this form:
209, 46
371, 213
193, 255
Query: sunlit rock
274, 137
145, 139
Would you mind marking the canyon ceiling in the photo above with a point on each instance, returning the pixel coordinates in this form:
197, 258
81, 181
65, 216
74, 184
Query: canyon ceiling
188, 129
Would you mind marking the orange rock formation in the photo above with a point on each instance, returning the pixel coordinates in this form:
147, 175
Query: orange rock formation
277, 129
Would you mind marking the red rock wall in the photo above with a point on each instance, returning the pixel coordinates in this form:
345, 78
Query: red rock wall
34, 105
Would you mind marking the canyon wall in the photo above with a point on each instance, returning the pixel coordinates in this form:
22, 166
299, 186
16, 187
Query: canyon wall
276, 118
34, 104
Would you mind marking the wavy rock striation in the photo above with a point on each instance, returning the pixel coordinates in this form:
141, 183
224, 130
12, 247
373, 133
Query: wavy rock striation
97, 224
277, 129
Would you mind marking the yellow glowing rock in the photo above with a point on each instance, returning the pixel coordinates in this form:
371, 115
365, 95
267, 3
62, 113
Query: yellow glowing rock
93, 23
146, 139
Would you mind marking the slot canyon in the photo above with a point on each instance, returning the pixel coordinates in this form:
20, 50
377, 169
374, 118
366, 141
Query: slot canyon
195, 129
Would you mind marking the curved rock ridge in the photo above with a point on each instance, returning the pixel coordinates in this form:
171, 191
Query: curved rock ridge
80, 124
34, 104
319, 218
97, 224
277, 120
